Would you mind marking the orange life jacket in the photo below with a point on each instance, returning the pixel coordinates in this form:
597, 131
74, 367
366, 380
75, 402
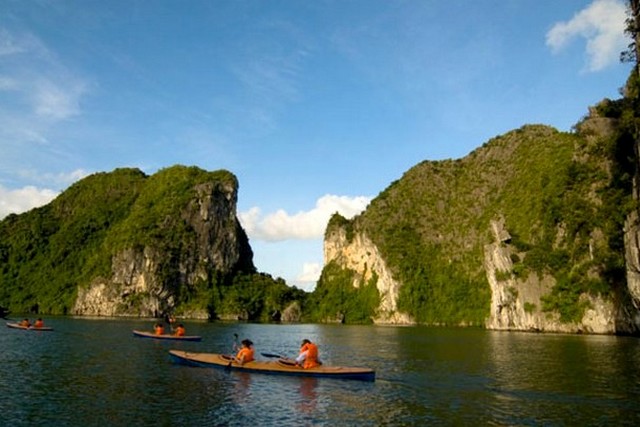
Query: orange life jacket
39, 324
247, 353
311, 361
159, 330
180, 331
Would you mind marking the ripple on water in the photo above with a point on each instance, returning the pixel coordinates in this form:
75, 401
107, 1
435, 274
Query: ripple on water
95, 373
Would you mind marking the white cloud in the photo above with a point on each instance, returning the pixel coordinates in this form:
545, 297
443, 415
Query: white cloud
23, 199
602, 24
303, 225
7, 84
28, 197
38, 79
8, 44
63, 179
38, 92
309, 275
57, 100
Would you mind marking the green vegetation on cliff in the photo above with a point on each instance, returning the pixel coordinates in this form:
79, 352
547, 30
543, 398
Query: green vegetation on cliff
48, 253
258, 297
343, 298
560, 194
155, 209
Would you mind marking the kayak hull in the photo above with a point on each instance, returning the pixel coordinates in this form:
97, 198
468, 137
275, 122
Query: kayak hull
144, 334
221, 361
28, 328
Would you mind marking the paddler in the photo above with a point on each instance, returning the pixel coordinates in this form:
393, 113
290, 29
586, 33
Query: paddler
159, 329
39, 323
245, 355
179, 330
308, 357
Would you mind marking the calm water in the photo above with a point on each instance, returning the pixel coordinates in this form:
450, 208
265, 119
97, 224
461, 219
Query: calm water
94, 372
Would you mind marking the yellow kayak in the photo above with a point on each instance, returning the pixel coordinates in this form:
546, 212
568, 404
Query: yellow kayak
279, 367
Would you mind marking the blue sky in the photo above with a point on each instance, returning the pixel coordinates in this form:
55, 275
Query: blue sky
316, 106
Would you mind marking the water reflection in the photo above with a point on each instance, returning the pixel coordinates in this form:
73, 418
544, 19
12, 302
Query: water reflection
308, 402
534, 373
95, 372
241, 387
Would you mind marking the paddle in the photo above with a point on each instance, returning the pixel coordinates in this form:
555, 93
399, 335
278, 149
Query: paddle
272, 355
235, 346
281, 359
234, 350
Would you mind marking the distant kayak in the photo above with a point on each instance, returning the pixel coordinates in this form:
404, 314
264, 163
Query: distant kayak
279, 367
143, 334
28, 328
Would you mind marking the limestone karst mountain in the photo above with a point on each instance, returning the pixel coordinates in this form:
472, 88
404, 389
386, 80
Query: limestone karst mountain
526, 232
126, 244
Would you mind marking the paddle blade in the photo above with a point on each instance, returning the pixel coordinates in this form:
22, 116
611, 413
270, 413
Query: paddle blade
272, 355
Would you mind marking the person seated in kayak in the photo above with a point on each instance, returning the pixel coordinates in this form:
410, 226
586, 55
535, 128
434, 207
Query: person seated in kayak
245, 355
25, 322
308, 357
159, 329
39, 323
179, 330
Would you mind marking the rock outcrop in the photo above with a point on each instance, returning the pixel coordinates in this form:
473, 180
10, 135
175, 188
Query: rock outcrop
516, 302
362, 256
632, 256
146, 280
133, 290
292, 313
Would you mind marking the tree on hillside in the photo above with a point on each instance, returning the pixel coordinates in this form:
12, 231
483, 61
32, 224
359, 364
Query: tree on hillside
633, 30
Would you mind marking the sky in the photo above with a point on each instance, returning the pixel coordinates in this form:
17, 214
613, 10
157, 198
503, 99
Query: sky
316, 106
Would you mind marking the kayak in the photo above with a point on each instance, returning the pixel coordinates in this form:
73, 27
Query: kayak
278, 367
28, 328
143, 334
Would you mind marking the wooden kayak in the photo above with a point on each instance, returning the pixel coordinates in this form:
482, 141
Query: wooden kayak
279, 367
143, 334
28, 328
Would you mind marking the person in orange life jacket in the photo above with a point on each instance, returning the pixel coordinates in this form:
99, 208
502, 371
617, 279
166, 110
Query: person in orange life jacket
180, 330
39, 323
159, 329
308, 357
25, 322
245, 355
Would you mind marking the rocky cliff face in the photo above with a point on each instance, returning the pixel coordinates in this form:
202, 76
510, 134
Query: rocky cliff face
632, 256
632, 240
516, 302
145, 280
632, 223
133, 290
363, 257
